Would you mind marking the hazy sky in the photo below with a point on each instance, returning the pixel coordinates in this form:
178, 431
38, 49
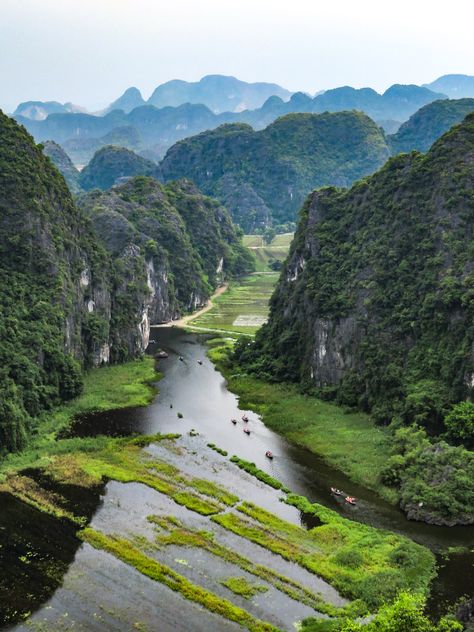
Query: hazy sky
89, 51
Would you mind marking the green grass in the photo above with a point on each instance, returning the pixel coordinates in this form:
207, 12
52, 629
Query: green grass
244, 588
106, 388
265, 253
244, 306
125, 551
363, 563
348, 441
216, 448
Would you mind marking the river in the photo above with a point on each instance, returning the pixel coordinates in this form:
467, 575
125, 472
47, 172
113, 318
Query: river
194, 388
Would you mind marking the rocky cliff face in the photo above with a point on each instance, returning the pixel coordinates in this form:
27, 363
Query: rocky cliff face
184, 242
376, 295
80, 285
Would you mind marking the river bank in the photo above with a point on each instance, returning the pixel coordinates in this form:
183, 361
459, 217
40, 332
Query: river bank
106, 388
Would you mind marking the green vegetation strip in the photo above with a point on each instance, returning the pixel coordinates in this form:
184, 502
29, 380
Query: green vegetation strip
360, 561
179, 535
244, 588
126, 552
252, 469
214, 447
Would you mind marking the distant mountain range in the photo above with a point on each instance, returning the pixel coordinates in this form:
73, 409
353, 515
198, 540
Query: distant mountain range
453, 86
151, 130
262, 176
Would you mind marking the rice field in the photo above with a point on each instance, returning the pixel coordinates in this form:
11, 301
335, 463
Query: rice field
266, 253
243, 308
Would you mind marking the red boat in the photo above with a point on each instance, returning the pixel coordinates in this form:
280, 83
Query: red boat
234, 421
351, 500
269, 454
247, 431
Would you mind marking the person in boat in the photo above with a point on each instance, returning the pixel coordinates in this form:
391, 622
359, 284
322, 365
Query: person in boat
181, 358
199, 361
269, 454
351, 500
234, 421
247, 431
245, 418
337, 491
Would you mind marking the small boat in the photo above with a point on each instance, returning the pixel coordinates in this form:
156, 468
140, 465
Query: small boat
181, 358
350, 499
269, 454
245, 418
337, 492
247, 431
199, 361
161, 354
234, 421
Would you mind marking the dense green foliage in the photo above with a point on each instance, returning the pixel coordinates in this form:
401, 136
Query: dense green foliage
189, 237
429, 123
44, 244
406, 614
460, 423
110, 164
375, 307
66, 303
266, 174
388, 290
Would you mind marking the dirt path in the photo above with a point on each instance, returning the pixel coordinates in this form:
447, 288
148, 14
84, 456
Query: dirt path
187, 319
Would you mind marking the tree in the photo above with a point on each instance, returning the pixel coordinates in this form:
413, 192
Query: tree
460, 423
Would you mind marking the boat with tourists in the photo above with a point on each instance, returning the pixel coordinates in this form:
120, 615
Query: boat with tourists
269, 454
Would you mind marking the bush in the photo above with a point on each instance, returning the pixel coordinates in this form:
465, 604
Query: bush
460, 423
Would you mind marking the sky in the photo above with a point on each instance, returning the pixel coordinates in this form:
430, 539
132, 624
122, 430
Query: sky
90, 51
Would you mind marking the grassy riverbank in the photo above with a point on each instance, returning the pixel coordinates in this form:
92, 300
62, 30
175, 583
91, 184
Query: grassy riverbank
106, 388
349, 442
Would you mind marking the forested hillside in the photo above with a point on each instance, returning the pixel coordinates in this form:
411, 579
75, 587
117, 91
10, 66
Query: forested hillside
375, 307
429, 123
77, 293
264, 176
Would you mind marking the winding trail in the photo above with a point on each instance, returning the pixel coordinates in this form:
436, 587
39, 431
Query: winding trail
182, 322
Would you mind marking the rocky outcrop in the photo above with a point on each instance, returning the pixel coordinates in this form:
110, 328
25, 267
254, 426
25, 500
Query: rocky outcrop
182, 243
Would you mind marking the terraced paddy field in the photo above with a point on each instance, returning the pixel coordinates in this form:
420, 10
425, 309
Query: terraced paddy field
243, 308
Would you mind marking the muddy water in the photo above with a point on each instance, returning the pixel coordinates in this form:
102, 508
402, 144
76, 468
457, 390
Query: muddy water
77, 588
